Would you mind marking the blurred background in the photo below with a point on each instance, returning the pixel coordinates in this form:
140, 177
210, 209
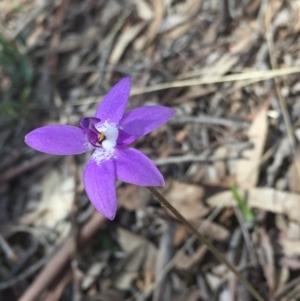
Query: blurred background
230, 156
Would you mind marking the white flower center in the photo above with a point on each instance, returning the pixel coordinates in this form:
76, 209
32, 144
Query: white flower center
111, 135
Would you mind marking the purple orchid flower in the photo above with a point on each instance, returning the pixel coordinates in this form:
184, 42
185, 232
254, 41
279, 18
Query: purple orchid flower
109, 133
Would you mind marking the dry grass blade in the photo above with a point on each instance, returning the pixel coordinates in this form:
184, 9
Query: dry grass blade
262, 75
255, 75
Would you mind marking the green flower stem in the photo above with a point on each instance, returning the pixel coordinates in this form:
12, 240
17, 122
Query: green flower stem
205, 241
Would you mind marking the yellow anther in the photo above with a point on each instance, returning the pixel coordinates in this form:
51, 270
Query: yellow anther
101, 137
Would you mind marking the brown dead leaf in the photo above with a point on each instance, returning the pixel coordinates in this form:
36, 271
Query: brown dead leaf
58, 192
130, 241
247, 172
263, 198
187, 199
129, 197
57, 198
212, 230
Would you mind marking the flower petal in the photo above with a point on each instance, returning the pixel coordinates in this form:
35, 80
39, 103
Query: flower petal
112, 107
99, 182
58, 140
124, 138
134, 167
141, 121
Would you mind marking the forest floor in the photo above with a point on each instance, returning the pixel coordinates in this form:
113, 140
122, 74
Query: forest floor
230, 156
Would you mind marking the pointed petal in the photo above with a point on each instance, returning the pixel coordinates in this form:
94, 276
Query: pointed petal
112, 107
124, 138
99, 182
141, 121
134, 167
58, 140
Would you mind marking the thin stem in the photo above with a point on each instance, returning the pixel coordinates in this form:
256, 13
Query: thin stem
205, 241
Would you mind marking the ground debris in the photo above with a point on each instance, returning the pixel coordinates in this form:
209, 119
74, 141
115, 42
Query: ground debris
231, 71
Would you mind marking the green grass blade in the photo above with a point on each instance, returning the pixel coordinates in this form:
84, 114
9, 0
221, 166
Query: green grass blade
246, 211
